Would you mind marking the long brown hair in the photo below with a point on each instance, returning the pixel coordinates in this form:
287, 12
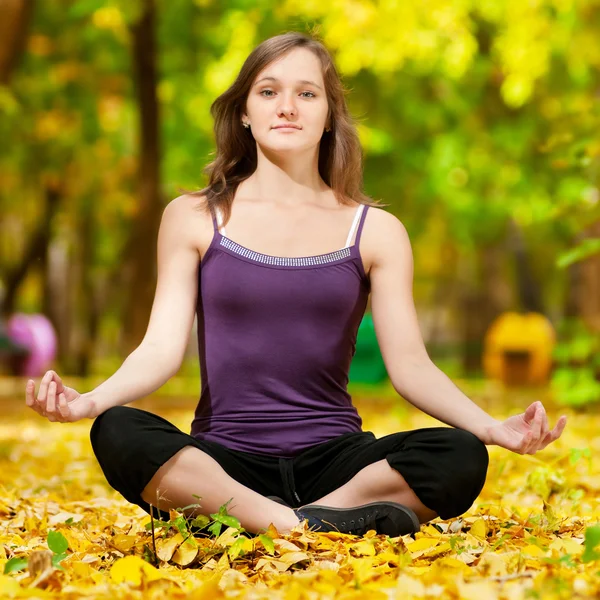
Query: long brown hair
340, 152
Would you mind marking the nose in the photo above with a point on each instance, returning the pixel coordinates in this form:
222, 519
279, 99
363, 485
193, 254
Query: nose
286, 105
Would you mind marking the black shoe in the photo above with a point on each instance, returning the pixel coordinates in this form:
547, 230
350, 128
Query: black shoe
278, 500
387, 518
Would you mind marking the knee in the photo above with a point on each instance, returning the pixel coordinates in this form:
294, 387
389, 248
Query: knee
107, 428
471, 460
472, 456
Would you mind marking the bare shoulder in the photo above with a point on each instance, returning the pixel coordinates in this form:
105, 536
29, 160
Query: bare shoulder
189, 214
383, 235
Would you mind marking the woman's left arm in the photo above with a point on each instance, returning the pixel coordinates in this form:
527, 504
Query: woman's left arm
412, 373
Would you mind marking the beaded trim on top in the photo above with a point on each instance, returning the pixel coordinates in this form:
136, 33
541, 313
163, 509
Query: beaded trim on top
292, 261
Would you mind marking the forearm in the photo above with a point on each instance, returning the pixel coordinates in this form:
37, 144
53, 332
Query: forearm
428, 388
144, 371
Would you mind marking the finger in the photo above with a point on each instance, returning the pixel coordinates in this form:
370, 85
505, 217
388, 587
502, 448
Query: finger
59, 383
536, 425
553, 435
528, 442
530, 413
63, 407
29, 392
560, 427
525, 443
545, 424
51, 401
43, 391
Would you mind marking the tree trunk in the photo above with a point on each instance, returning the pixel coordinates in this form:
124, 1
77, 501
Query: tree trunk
35, 250
141, 246
485, 295
57, 296
15, 17
530, 294
89, 298
588, 297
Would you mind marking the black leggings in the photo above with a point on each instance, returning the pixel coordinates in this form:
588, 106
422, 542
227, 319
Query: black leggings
445, 467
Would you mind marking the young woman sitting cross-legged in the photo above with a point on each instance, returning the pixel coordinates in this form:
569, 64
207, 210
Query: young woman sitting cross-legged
277, 257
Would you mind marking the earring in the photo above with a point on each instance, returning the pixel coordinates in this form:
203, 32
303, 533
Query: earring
327, 128
246, 125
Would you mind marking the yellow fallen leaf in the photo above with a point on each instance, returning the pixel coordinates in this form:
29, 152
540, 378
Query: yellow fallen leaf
449, 563
363, 549
408, 586
228, 537
223, 562
121, 541
479, 590
492, 564
165, 548
533, 550
270, 564
363, 568
395, 559
291, 558
423, 543
479, 529
328, 565
81, 569
283, 546
133, 569
9, 588
568, 545
436, 550
430, 530
185, 554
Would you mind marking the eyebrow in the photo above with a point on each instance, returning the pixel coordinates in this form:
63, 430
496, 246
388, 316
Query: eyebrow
304, 81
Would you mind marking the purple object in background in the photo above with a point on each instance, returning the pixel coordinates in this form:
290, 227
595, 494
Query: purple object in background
37, 334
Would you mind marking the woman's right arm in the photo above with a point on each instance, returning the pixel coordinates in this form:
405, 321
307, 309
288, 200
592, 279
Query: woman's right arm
161, 352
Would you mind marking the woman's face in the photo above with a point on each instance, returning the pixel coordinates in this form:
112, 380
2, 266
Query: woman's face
289, 91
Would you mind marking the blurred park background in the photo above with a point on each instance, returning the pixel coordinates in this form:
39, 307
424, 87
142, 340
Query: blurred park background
480, 124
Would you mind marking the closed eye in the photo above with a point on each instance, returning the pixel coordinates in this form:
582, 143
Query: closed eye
263, 91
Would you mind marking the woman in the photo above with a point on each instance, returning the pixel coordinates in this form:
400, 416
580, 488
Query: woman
279, 297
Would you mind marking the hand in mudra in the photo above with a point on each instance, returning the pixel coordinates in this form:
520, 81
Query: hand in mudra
528, 432
56, 401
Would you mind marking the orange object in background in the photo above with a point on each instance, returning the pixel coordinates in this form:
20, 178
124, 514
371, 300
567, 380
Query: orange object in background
518, 349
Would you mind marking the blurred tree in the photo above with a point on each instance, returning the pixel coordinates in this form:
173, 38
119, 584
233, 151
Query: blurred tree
144, 230
15, 16
472, 115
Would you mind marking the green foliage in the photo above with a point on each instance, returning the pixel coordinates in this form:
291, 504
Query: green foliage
17, 563
545, 480
470, 114
267, 543
212, 525
591, 543
182, 523
577, 357
57, 543
588, 247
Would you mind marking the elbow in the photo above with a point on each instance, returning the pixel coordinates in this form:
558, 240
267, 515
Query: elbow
408, 369
164, 360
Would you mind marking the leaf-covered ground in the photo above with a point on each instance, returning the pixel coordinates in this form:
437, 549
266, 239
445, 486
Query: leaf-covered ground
532, 533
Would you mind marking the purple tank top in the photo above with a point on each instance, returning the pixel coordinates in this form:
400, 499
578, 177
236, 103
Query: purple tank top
276, 337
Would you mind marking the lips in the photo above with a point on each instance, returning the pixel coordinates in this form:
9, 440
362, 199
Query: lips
286, 126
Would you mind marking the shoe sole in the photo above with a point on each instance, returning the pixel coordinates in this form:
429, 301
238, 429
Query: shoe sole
403, 519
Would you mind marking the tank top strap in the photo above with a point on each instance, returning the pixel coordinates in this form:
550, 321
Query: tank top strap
362, 222
217, 219
359, 218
